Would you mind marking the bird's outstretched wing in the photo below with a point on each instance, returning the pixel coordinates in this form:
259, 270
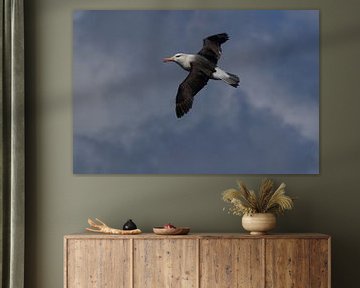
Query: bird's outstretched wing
192, 84
212, 47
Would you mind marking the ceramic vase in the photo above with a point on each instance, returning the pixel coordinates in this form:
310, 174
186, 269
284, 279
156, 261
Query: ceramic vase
259, 223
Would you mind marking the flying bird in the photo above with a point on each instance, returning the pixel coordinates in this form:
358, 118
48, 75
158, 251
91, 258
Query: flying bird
202, 67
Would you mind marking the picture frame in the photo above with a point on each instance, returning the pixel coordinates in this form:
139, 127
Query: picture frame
124, 108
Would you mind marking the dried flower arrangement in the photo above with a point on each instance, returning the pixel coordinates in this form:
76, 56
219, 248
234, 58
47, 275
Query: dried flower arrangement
267, 200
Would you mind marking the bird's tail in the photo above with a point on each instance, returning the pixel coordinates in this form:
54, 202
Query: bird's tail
227, 77
232, 79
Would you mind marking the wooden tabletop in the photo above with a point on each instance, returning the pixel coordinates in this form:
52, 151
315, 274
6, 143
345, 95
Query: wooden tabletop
89, 235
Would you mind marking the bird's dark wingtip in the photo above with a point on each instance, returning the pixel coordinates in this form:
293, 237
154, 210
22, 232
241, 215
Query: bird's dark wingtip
179, 112
219, 38
224, 37
224, 34
183, 108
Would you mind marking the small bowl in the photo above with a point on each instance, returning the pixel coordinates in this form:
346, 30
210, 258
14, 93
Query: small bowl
171, 231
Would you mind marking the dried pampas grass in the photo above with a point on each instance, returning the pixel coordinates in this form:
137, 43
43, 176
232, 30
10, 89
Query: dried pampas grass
245, 201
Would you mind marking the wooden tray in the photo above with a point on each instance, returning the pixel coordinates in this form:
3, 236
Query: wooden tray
171, 231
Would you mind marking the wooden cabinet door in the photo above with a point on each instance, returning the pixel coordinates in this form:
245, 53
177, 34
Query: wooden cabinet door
297, 263
165, 263
98, 263
231, 263
287, 263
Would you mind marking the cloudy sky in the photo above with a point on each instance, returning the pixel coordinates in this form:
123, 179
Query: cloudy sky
124, 95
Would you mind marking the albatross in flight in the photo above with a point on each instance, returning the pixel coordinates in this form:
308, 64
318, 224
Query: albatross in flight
202, 67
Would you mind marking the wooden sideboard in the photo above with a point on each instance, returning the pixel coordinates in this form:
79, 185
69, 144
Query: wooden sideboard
197, 260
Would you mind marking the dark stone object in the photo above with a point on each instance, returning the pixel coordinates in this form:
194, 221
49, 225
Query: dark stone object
129, 225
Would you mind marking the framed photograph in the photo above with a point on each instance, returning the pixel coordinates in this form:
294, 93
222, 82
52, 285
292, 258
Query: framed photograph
196, 92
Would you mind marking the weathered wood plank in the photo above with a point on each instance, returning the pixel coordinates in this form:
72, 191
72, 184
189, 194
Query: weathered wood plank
231, 263
319, 263
287, 263
98, 264
165, 263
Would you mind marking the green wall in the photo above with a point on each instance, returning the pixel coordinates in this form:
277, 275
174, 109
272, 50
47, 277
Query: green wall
59, 202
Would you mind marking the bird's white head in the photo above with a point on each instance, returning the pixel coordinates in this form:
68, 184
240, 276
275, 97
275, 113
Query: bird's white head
180, 58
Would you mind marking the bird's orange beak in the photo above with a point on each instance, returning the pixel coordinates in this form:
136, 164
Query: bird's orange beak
169, 59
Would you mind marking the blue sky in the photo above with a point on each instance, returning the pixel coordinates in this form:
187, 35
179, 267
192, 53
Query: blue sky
124, 95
